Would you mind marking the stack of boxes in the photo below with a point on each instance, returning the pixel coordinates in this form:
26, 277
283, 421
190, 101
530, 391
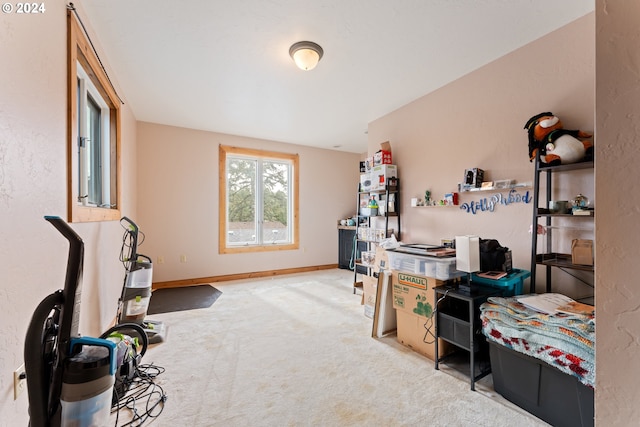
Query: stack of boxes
413, 279
377, 169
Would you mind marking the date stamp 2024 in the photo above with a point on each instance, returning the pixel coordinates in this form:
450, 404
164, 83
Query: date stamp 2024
23, 8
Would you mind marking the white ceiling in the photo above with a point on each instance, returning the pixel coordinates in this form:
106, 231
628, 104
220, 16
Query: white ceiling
224, 66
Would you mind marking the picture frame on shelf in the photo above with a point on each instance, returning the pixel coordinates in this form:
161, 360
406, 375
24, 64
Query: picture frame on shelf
503, 183
487, 185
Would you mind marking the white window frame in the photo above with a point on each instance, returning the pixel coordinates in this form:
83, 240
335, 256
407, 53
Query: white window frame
260, 244
86, 88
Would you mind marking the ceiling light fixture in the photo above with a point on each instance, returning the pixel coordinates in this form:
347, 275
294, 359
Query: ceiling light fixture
306, 54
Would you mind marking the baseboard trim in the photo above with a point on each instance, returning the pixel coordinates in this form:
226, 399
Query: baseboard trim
239, 276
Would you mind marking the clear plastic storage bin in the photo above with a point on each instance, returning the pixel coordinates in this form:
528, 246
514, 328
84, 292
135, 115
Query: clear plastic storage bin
439, 268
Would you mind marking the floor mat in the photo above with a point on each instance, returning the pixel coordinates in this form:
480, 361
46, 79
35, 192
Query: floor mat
180, 299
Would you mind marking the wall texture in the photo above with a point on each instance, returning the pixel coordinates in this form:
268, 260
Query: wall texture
618, 154
33, 150
478, 121
179, 210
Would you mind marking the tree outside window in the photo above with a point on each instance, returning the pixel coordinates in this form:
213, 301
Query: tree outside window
258, 200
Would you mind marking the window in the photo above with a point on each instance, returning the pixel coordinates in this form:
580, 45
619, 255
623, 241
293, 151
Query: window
258, 200
93, 144
94, 133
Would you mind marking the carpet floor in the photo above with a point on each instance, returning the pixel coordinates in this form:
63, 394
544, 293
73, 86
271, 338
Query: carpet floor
297, 351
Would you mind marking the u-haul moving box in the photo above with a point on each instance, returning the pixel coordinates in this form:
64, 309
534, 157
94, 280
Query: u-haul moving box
413, 299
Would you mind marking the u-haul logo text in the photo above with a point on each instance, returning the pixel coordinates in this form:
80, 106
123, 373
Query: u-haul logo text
413, 281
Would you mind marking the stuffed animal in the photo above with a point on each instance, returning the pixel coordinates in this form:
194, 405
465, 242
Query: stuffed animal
554, 144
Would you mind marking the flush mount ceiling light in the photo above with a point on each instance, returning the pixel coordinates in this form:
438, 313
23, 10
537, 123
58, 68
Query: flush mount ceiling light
306, 54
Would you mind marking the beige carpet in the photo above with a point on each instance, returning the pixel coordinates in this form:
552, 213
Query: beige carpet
297, 351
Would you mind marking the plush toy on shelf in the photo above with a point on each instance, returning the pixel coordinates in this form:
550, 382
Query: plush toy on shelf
553, 144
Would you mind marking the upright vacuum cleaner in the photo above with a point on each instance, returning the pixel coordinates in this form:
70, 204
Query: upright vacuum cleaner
72, 381
70, 378
136, 291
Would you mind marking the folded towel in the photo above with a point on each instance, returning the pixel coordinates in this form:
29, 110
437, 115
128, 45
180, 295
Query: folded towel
564, 341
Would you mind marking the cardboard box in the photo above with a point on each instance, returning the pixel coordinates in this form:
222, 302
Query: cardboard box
369, 289
413, 293
413, 299
473, 178
582, 251
379, 175
365, 181
368, 163
383, 156
382, 258
370, 283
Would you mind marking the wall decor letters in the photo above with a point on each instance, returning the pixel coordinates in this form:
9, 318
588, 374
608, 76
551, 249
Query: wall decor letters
488, 204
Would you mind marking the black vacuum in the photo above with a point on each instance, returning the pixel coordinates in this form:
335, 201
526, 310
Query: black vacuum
69, 378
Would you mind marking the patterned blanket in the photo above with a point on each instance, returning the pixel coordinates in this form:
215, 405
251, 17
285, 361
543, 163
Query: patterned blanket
566, 342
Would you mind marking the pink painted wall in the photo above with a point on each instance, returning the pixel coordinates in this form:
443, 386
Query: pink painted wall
617, 157
478, 121
33, 147
555, 72
179, 210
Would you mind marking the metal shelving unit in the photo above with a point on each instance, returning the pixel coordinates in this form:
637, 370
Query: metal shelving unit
549, 258
392, 189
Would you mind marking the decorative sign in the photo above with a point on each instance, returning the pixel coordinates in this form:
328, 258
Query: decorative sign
488, 204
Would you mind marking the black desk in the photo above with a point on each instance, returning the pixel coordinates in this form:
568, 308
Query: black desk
458, 322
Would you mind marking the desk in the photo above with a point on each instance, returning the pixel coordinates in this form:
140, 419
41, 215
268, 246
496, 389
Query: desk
458, 322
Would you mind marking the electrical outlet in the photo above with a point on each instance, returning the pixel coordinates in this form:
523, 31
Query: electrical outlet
183, 258
19, 381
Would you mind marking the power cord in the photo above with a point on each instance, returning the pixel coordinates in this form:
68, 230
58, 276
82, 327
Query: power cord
354, 250
428, 325
144, 398
72, 8
127, 246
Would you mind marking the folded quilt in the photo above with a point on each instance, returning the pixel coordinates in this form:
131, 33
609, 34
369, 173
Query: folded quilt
564, 341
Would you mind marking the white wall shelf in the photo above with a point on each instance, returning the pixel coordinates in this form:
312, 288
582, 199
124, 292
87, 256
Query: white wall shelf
437, 206
493, 188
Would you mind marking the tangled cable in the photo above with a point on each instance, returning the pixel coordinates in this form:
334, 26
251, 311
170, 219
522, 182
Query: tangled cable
428, 325
129, 244
144, 398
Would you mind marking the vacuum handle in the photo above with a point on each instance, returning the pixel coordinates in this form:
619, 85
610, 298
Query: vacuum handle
144, 257
98, 342
65, 230
132, 225
131, 228
73, 282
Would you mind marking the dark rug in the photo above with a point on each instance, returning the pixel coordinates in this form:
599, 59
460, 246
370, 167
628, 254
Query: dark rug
180, 299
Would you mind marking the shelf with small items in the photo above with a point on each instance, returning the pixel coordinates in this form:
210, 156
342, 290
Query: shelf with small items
494, 186
436, 206
363, 264
391, 188
564, 227
570, 215
375, 207
561, 260
378, 216
581, 213
588, 164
